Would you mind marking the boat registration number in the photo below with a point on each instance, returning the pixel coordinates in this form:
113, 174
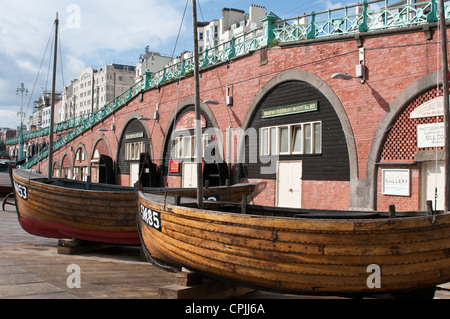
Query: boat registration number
151, 218
21, 190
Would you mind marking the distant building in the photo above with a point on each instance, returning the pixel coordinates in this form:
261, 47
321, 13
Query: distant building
233, 23
95, 88
41, 114
151, 61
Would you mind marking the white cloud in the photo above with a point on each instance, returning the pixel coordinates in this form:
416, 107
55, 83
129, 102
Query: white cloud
7, 117
91, 33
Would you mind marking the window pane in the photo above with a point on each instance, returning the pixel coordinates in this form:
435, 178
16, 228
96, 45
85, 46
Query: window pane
284, 140
186, 146
317, 138
297, 136
273, 141
265, 142
193, 146
308, 148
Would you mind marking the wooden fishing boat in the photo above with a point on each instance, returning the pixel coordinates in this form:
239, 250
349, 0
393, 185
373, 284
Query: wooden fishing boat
65, 208
297, 250
302, 251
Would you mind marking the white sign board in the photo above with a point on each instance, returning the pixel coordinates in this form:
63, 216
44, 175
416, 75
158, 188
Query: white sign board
395, 182
432, 108
430, 135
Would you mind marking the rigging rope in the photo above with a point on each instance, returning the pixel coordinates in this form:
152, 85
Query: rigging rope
172, 140
39, 71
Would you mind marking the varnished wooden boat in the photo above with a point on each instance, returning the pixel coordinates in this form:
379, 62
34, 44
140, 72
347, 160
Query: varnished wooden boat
299, 251
63, 208
93, 212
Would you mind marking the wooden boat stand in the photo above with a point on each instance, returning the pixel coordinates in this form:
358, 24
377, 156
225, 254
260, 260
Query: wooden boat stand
191, 285
77, 246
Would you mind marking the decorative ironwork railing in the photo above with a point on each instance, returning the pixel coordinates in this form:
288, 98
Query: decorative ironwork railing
362, 17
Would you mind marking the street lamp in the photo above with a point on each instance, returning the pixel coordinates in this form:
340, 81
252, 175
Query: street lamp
342, 76
360, 73
22, 90
214, 102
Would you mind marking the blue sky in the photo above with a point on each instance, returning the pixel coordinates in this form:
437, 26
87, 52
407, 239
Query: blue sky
100, 32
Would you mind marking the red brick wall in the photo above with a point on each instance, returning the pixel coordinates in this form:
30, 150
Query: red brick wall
393, 62
402, 203
326, 194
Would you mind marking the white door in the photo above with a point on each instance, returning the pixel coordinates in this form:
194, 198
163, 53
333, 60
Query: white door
189, 178
289, 184
134, 173
433, 179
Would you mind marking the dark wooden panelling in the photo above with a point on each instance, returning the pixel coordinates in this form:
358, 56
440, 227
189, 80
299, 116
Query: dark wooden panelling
169, 144
333, 163
135, 126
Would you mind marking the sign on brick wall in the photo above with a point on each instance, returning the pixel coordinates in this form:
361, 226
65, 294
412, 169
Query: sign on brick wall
430, 135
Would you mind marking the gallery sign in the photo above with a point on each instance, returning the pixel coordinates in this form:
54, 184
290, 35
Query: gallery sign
395, 182
430, 135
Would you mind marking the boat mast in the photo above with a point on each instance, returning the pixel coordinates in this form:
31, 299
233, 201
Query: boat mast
442, 23
198, 127
52, 106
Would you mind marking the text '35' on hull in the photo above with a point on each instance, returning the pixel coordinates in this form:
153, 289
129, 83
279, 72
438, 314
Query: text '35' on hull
299, 251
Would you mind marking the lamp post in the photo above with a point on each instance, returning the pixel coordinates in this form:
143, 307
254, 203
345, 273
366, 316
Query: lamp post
22, 90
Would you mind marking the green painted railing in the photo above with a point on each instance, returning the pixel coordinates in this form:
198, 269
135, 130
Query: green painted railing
362, 17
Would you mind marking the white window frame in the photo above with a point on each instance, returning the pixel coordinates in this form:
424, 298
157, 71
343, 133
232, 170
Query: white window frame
190, 152
274, 147
133, 151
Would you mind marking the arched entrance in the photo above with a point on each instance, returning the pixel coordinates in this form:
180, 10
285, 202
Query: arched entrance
134, 141
294, 139
412, 160
411, 166
179, 151
102, 164
66, 167
80, 165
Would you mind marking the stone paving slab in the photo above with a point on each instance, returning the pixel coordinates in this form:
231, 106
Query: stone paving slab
31, 268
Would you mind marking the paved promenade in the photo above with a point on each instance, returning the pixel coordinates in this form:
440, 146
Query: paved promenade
31, 268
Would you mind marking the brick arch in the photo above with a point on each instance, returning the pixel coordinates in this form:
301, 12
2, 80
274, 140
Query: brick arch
400, 142
66, 161
176, 112
83, 147
416, 88
101, 139
130, 118
325, 89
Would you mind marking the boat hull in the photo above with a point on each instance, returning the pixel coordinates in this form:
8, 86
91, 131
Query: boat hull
299, 255
57, 212
49, 210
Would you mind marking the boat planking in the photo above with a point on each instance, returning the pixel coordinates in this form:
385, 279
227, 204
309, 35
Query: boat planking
296, 250
65, 208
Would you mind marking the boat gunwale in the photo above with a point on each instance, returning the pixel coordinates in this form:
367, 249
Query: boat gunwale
357, 223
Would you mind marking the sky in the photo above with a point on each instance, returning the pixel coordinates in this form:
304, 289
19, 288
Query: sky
100, 32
